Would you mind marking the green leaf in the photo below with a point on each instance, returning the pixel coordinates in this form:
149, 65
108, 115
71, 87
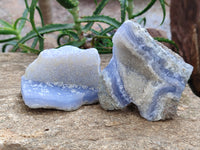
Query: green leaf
95, 32
43, 30
34, 42
31, 18
13, 43
167, 4
27, 49
145, 9
7, 40
102, 43
142, 20
101, 37
75, 43
8, 31
100, 7
41, 39
22, 22
160, 39
60, 37
16, 22
101, 18
40, 13
41, 43
71, 34
162, 3
101, 28
26, 3
5, 24
129, 8
123, 10
97, 11
95, 1
109, 29
68, 4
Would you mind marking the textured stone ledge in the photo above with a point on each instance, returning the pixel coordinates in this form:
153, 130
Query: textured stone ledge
90, 127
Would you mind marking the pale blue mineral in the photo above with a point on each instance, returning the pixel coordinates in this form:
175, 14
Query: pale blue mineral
63, 78
143, 72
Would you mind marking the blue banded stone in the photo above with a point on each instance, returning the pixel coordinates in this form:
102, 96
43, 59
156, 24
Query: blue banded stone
63, 78
143, 72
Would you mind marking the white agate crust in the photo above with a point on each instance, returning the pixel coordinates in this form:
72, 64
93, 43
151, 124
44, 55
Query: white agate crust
63, 78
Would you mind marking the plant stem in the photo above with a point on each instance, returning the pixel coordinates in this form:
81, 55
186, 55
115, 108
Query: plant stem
18, 36
130, 8
75, 13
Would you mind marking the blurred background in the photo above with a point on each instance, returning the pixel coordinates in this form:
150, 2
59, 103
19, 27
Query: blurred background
10, 10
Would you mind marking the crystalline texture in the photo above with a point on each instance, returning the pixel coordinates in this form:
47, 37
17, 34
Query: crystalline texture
142, 72
63, 78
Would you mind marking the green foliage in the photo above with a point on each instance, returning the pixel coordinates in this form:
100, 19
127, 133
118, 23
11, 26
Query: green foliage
11, 43
10, 29
162, 3
95, 1
145, 9
76, 43
26, 49
74, 33
70, 34
68, 4
42, 30
101, 18
151, 3
5, 24
123, 10
97, 11
23, 21
107, 30
32, 14
103, 44
129, 8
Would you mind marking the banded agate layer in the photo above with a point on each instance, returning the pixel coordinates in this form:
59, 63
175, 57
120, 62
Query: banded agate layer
143, 72
63, 78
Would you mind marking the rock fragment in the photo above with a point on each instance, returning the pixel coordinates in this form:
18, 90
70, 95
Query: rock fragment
144, 72
63, 78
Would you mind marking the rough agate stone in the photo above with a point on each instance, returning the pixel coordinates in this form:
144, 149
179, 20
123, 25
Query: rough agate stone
143, 72
63, 78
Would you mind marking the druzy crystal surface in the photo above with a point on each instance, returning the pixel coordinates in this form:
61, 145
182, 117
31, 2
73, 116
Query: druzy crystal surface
143, 72
63, 78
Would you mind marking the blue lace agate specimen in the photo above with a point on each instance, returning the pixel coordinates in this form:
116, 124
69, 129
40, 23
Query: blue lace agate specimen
144, 72
63, 78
